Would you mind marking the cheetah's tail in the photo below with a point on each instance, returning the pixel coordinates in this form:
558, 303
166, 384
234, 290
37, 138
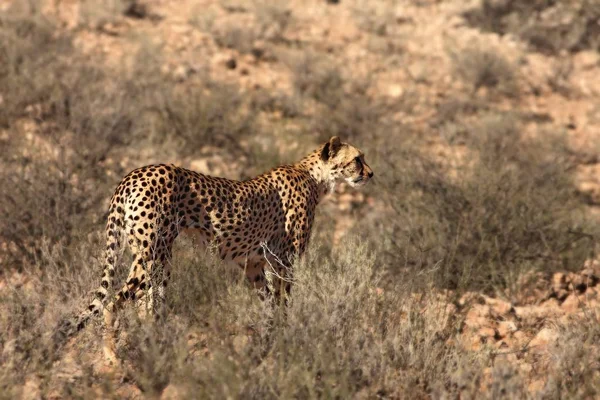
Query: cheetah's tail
71, 326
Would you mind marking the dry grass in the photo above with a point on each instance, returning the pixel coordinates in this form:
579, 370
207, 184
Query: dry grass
84, 116
343, 105
53, 171
365, 318
478, 66
339, 337
548, 26
512, 211
268, 23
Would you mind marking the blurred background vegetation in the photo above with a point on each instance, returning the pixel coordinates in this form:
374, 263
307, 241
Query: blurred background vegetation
498, 204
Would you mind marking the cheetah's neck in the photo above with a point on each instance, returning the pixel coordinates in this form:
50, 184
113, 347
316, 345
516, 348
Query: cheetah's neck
317, 169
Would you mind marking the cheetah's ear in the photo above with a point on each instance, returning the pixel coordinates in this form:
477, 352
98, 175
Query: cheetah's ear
331, 148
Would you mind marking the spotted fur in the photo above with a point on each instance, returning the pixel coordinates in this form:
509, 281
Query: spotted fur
259, 224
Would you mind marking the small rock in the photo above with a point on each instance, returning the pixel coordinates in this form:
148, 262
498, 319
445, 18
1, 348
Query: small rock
550, 306
182, 72
536, 385
571, 304
345, 201
593, 292
561, 294
451, 309
395, 91
486, 332
520, 337
590, 190
418, 71
475, 322
525, 367
129, 391
31, 389
239, 343
543, 339
589, 273
498, 307
593, 265
531, 314
577, 282
510, 357
231, 63
477, 316
259, 49
505, 328
469, 297
172, 392
137, 10
482, 310
559, 281
473, 342
200, 165
586, 59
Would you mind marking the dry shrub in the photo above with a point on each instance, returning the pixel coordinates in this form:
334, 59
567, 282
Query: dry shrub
198, 116
358, 340
288, 106
318, 78
548, 26
378, 18
29, 47
479, 67
98, 15
47, 291
269, 24
344, 105
341, 336
241, 39
53, 166
573, 369
182, 118
273, 19
83, 115
514, 210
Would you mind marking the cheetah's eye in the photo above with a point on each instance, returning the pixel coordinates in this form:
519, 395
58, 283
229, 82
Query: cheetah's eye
358, 162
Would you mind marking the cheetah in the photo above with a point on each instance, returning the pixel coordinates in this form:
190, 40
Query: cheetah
260, 224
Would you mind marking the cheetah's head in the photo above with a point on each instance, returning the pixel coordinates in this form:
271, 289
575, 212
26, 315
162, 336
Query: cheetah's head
345, 162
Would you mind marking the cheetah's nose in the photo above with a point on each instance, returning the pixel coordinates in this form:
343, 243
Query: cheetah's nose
371, 174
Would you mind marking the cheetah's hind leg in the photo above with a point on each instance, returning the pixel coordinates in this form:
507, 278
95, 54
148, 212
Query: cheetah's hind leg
149, 270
